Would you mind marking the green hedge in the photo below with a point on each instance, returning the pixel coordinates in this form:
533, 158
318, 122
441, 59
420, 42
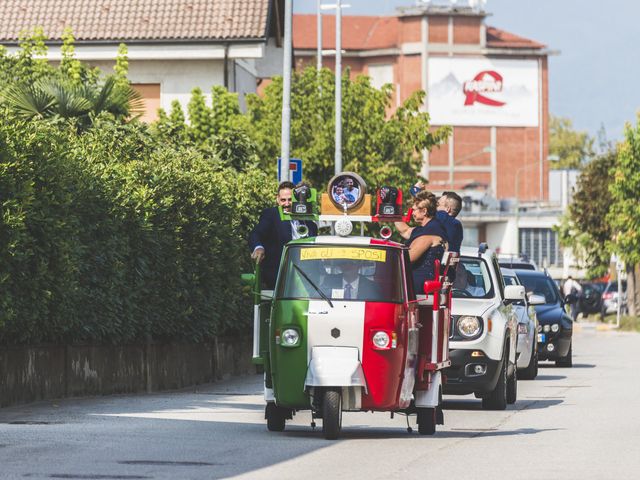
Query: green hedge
112, 237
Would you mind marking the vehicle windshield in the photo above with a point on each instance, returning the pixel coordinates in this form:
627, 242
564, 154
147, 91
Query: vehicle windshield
541, 285
338, 272
509, 280
472, 279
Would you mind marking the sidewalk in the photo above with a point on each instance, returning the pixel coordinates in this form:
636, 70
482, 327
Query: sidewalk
591, 325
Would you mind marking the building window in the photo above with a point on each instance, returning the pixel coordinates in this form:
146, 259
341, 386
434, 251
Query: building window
541, 246
380, 75
151, 97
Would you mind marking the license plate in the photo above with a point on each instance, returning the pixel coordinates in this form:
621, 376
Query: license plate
541, 338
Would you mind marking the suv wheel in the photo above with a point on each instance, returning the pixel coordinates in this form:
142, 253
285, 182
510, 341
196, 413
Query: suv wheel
531, 371
497, 399
567, 360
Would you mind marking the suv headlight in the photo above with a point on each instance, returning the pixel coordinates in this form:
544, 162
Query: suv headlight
469, 327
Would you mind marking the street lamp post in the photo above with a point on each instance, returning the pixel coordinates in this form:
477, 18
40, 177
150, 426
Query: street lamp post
338, 151
286, 92
319, 41
338, 81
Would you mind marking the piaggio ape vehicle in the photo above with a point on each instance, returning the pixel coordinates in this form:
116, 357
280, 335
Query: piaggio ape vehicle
373, 346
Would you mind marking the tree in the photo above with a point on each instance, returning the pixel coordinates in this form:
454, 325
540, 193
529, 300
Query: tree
380, 147
73, 92
585, 227
624, 215
571, 147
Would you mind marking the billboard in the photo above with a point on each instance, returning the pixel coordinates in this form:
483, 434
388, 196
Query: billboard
483, 92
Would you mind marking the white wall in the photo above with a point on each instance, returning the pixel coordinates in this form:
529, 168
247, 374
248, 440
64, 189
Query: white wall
176, 78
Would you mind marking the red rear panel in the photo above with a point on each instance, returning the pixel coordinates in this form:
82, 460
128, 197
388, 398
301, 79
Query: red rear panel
383, 368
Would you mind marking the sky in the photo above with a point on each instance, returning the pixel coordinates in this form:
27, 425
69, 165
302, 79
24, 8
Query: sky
594, 77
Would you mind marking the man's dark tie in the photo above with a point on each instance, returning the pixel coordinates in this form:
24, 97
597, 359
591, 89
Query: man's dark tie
347, 291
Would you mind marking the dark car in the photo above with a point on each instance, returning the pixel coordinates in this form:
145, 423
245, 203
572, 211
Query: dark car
590, 300
555, 328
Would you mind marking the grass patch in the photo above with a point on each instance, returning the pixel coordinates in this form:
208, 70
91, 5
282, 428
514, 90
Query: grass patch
627, 323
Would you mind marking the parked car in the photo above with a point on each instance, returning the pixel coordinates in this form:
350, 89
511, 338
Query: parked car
484, 328
555, 327
590, 300
609, 297
521, 262
527, 347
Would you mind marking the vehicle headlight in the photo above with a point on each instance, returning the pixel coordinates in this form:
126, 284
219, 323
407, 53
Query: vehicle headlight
469, 326
290, 337
555, 327
381, 339
546, 328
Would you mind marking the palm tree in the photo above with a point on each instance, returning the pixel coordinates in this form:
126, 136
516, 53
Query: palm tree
56, 98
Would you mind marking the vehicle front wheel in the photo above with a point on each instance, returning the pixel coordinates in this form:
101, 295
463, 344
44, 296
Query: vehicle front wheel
276, 417
497, 399
531, 372
331, 413
427, 419
567, 360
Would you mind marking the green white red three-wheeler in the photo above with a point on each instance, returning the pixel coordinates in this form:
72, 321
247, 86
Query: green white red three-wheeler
380, 348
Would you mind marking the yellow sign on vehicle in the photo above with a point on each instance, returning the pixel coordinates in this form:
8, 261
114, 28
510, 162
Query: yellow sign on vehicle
344, 253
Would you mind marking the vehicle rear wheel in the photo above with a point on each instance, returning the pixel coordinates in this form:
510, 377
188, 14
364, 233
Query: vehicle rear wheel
512, 387
531, 371
567, 360
497, 399
331, 413
276, 417
427, 420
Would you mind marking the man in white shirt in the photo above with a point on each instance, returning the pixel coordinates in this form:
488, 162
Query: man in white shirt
350, 191
572, 291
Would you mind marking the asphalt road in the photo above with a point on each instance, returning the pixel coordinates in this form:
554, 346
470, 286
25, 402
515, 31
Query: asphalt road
580, 423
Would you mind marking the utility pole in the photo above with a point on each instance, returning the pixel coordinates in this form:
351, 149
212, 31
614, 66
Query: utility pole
286, 93
319, 40
338, 152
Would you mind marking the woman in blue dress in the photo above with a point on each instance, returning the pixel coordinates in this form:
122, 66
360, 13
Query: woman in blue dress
426, 241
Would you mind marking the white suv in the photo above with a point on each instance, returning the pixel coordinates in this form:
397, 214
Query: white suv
484, 331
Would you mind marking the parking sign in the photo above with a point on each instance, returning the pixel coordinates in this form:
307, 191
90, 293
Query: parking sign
295, 170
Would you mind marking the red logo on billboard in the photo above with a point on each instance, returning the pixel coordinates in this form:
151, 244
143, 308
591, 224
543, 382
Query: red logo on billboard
487, 81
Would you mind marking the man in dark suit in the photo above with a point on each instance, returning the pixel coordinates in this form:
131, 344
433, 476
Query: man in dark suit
271, 234
351, 284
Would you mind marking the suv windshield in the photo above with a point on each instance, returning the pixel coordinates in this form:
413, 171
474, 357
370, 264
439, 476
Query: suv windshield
472, 279
541, 285
337, 272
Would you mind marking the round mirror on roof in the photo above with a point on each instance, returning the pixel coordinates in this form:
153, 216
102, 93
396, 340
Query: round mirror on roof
347, 189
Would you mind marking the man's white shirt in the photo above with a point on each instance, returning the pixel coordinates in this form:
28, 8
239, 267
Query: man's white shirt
354, 286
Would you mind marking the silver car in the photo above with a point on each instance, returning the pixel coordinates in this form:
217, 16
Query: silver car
527, 346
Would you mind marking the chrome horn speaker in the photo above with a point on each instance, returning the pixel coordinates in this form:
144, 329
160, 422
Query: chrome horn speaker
303, 231
386, 232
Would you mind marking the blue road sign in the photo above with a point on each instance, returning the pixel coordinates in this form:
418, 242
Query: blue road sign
295, 170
